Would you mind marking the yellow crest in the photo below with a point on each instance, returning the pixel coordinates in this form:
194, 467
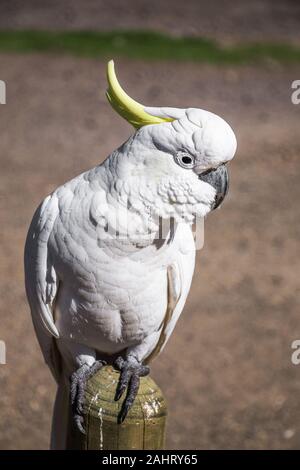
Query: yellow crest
128, 108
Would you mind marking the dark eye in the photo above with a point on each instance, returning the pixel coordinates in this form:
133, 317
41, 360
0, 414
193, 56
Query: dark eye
184, 159
187, 160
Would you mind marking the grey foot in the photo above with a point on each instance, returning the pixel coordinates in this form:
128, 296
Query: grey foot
131, 371
78, 382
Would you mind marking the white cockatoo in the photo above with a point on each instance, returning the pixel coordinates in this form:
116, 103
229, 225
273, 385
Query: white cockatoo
107, 275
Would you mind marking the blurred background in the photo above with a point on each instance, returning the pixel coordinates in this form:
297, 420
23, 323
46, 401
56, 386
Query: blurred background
226, 371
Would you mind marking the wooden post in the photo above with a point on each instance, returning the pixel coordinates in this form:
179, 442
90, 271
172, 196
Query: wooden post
143, 428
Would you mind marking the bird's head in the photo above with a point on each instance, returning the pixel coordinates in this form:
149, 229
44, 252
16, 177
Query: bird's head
175, 163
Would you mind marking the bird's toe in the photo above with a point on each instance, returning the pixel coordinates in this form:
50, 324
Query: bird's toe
78, 381
130, 372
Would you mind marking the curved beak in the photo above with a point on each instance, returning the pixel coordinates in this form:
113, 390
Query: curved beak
218, 178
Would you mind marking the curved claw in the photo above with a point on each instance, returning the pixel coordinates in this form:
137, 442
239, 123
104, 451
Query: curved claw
132, 391
79, 421
131, 371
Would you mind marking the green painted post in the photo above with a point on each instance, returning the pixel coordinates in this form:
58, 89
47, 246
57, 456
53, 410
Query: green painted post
143, 428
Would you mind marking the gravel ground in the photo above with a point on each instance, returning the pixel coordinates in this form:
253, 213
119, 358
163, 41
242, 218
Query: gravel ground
226, 371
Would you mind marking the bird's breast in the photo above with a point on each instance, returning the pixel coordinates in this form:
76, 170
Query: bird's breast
119, 307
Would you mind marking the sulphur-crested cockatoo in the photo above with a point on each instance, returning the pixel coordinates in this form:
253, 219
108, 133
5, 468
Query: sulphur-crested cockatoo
107, 275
